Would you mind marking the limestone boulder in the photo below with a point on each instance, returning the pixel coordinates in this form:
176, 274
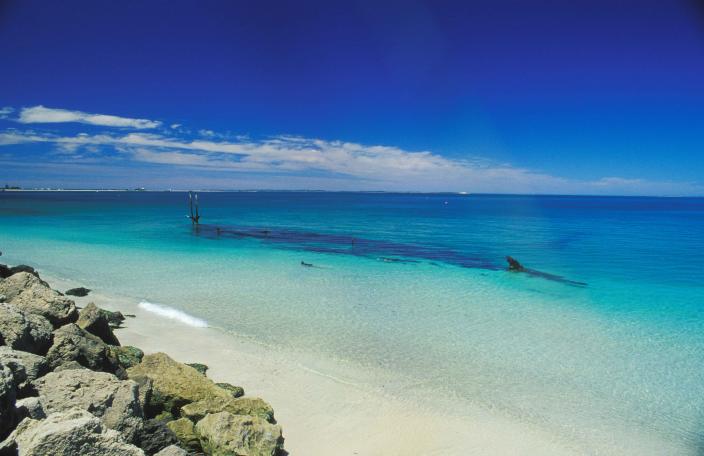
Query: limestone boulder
173, 384
235, 391
224, 434
26, 368
127, 356
24, 331
68, 433
29, 407
185, 432
95, 322
252, 406
30, 293
7, 400
73, 344
154, 436
172, 450
115, 402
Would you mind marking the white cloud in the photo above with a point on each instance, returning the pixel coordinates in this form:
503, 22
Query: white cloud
175, 126
6, 111
41, 114
317, 163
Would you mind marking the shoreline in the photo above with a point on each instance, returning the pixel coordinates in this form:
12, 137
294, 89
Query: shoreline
318, 408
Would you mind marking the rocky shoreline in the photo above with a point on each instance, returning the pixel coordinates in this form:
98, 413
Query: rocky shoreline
68, 387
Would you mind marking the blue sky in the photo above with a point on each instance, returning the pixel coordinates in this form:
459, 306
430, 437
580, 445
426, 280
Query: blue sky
587, 97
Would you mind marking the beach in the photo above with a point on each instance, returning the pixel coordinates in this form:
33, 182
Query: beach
320, 413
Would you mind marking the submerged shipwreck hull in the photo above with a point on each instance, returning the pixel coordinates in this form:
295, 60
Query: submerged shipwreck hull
387, 251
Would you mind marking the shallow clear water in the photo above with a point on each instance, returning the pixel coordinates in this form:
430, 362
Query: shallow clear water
620, 358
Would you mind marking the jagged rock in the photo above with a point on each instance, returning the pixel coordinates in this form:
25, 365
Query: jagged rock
24, 268
227, 434
252, 406
72, 343
24, 331
154, 436
29, 407
7, 400
112, 400
95, 322
165, 417
172, 450
69, 433
115, 319
201, 368
33, 295
185, 432
174, 384
80, 292
127, 356
5, 271
26, 368
236, 391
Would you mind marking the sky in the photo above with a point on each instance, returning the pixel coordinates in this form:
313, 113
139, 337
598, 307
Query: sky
578, 97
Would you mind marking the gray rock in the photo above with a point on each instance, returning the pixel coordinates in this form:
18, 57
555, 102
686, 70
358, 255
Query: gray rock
95, 322
72, 343
80, 292
112, 400
127, 356
26, 368
154, 436
24, 331
5, 271
172, 450
227, 434
33, 295
252, 406
68, 365
7, 400
69, 433
29, 407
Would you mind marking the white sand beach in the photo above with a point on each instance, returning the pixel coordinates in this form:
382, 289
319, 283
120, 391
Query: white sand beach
321, 413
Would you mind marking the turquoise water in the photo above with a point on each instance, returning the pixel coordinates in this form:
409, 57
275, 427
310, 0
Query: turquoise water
415, 285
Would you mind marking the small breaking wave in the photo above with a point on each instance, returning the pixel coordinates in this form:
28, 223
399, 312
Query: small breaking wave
173, 314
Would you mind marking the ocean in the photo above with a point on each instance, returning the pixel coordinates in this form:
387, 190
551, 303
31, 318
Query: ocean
602, 343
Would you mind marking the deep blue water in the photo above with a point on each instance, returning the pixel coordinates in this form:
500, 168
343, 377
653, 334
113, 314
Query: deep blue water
416, 285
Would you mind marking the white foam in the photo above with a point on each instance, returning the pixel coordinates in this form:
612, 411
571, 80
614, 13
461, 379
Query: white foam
173, 314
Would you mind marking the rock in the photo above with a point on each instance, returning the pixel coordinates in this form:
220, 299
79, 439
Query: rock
5, 271
172, 450
236, 391
26, 368
112, 400
7, 400
154, 436
115, 319
514, 265
252, 406
24, 331
127, 356
185, 432
201, 368
174, 384
165, 417
72, 343
92, 320
69, 433
227, 434
80, 292
68, 365
24, 268
31, 294
29, 407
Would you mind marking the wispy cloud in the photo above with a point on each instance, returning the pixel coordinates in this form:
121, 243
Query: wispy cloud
41, 114
283, 161
6, 111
